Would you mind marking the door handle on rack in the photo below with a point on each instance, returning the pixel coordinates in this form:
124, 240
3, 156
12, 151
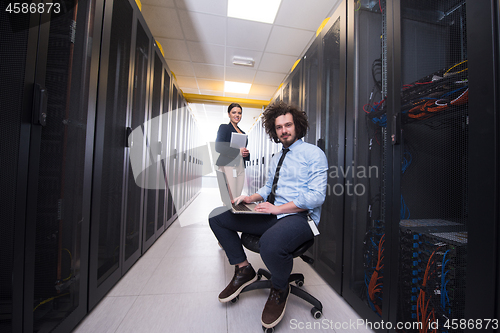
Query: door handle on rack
128, 132
396, 129
40, 105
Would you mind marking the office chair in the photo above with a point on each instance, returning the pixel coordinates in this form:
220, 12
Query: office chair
251, 242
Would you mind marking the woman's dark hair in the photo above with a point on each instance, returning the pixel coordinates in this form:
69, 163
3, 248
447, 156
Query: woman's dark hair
277, 109
233, 105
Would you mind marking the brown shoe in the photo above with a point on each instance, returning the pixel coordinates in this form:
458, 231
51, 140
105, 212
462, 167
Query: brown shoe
275, 307
242, 277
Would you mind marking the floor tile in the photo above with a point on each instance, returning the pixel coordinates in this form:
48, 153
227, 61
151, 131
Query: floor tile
136, 278
188, 275
190, 312
107, 315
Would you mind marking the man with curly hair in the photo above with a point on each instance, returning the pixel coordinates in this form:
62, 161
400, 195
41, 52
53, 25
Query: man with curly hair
295, 188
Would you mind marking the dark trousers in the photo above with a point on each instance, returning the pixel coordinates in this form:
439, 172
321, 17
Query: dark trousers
279, 238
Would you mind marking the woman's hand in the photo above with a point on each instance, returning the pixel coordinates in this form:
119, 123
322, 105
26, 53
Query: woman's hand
244, 152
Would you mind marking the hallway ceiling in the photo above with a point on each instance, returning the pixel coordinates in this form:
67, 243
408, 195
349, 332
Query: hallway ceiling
199, 42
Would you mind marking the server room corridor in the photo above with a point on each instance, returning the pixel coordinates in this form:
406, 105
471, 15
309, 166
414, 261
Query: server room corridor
174, 286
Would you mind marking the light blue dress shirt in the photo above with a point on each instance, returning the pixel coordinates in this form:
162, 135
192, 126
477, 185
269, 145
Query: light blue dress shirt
302, 179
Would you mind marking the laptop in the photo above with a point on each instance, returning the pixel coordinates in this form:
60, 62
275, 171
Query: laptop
227, 198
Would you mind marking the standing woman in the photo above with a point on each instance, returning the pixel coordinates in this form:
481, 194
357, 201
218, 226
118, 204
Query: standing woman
231, 161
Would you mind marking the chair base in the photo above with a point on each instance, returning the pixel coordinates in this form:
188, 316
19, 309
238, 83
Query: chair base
298, 278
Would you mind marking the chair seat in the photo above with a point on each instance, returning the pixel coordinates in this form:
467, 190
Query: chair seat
251, 242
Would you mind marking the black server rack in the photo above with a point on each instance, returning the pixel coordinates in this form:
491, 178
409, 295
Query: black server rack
47, 135
111, 151
365, 248
429, 133
330, 137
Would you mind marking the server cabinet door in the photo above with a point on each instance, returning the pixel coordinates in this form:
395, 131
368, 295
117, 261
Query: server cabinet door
365, 152
152, 211
111, 151
53, 282
157, 103
140, 108
311, 88
483, 166
296, 85
174, 152
331, 139
18, 54
166, 144
432, 151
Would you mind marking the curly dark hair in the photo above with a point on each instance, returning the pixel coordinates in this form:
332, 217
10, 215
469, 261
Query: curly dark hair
280, 108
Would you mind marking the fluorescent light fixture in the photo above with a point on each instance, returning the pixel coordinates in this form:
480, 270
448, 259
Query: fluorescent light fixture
237, 87
240, 61
254, 10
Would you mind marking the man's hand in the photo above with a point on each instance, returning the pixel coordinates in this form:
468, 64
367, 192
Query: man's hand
247, 199
242, 198
267, 207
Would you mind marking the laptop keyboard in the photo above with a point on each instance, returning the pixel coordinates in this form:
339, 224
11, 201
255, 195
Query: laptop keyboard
241, 208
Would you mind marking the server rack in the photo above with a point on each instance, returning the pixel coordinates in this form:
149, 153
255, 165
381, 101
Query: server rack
483, 38
365, 249
166, 147
408, 255
47, 136
112, 149
330, 137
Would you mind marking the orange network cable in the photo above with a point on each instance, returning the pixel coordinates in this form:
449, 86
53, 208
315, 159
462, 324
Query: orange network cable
375, 287
422, 305
426, 109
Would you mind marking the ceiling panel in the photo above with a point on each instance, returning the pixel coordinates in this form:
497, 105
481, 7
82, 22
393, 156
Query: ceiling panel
278, 63
174, 49
163, 22
262, 90
240, 74
207, 71
181, 68
163, 3
269, 78
205, 28
215, 7
296, 14
186, 82
247, 34
289, 41
213, 85
206, 53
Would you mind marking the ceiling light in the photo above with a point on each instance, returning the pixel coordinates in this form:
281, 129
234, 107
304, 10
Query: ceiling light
240, 61
255, 10
237, 87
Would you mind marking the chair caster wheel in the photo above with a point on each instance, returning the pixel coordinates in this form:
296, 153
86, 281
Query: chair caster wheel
316, 313
234, 300
268, 330
299, 283
259, 276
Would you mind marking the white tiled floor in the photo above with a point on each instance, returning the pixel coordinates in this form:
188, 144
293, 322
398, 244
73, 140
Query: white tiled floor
174, 286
